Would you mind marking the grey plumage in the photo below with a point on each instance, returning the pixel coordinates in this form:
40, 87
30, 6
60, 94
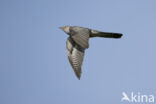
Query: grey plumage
80, 36
75, 55
78, 41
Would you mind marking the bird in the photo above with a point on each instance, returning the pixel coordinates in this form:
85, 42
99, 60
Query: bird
78, 42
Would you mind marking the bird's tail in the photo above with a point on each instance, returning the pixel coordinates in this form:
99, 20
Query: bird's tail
95, 33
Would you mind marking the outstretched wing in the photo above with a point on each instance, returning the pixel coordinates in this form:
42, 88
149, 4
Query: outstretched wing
80, 36
75, 55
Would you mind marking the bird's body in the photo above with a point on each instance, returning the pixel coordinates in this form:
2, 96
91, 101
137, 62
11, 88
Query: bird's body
78, 41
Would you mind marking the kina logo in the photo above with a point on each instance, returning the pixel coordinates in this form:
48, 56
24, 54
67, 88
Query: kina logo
137, 98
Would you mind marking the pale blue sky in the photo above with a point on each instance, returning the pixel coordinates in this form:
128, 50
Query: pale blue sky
34, 68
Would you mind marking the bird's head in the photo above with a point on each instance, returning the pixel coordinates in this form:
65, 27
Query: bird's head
65, 28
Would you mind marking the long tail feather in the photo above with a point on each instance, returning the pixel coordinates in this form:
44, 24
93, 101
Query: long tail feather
95, 33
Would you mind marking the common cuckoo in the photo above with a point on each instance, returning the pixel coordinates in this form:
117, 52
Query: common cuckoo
78, 41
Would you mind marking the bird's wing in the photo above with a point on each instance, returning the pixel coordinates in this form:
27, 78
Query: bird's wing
75, 56
80, 36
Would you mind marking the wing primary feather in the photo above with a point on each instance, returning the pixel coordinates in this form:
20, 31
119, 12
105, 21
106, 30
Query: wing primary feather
75, 55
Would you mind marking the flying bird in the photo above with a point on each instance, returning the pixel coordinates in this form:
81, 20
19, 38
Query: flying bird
78, 41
